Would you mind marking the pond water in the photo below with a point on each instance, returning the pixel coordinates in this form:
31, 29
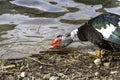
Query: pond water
26, 27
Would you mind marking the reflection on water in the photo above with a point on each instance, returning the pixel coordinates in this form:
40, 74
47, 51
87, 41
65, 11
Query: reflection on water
3, 29
115, 10
85, 12
39, 4
105, 3
26, 27
12, 18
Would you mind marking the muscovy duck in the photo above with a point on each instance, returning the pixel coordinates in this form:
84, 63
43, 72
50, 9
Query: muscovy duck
103, 31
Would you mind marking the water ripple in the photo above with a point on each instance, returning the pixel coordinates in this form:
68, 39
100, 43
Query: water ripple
39, 4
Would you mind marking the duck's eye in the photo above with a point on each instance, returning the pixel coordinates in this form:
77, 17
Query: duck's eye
59, 36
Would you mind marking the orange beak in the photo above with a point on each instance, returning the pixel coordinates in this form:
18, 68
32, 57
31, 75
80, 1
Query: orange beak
56, 43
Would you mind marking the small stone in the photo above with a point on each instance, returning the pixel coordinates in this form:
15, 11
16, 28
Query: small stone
10, 77
61, 75
89, 67
106, 78
92, 53
54, 78
96, 73
47, 76
22, 74
32, 78
106, 65
113, 72
97, 61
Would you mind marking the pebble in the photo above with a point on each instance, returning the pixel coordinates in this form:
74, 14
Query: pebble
10, 77
22, 74
61, 75
106, 65
90, 66
97, 61
47, 76
54, 78
113, 72
96, 73
92, 53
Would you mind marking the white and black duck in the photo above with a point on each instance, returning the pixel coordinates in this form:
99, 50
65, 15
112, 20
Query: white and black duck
103, 31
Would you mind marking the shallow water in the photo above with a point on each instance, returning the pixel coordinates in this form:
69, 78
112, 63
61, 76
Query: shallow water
26, 27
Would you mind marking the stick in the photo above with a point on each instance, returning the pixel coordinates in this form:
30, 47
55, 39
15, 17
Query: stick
9, 66
57, 51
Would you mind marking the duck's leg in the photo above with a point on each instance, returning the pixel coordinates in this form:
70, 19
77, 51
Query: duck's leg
104, 55
98, 54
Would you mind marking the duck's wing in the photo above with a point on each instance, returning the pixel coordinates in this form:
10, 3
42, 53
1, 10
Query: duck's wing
108, 25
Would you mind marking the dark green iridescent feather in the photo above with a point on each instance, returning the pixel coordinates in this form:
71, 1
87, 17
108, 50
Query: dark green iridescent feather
117, 32
115, 36
103, 19
107, 19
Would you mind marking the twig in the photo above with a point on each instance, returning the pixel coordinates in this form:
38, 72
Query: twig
6, 73
57, 51
38, 30
9, 66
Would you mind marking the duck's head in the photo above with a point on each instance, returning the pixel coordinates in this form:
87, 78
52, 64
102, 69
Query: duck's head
61, 41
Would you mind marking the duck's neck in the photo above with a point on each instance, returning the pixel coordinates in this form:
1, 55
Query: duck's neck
83, 32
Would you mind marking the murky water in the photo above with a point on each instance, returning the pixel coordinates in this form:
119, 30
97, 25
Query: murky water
26, 27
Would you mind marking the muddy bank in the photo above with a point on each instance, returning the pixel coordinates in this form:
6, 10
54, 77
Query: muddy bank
54, 66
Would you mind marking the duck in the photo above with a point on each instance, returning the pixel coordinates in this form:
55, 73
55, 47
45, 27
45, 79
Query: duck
103, 31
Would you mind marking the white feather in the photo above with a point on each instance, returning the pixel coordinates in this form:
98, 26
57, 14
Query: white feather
74, 33
119, 24
106, 32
